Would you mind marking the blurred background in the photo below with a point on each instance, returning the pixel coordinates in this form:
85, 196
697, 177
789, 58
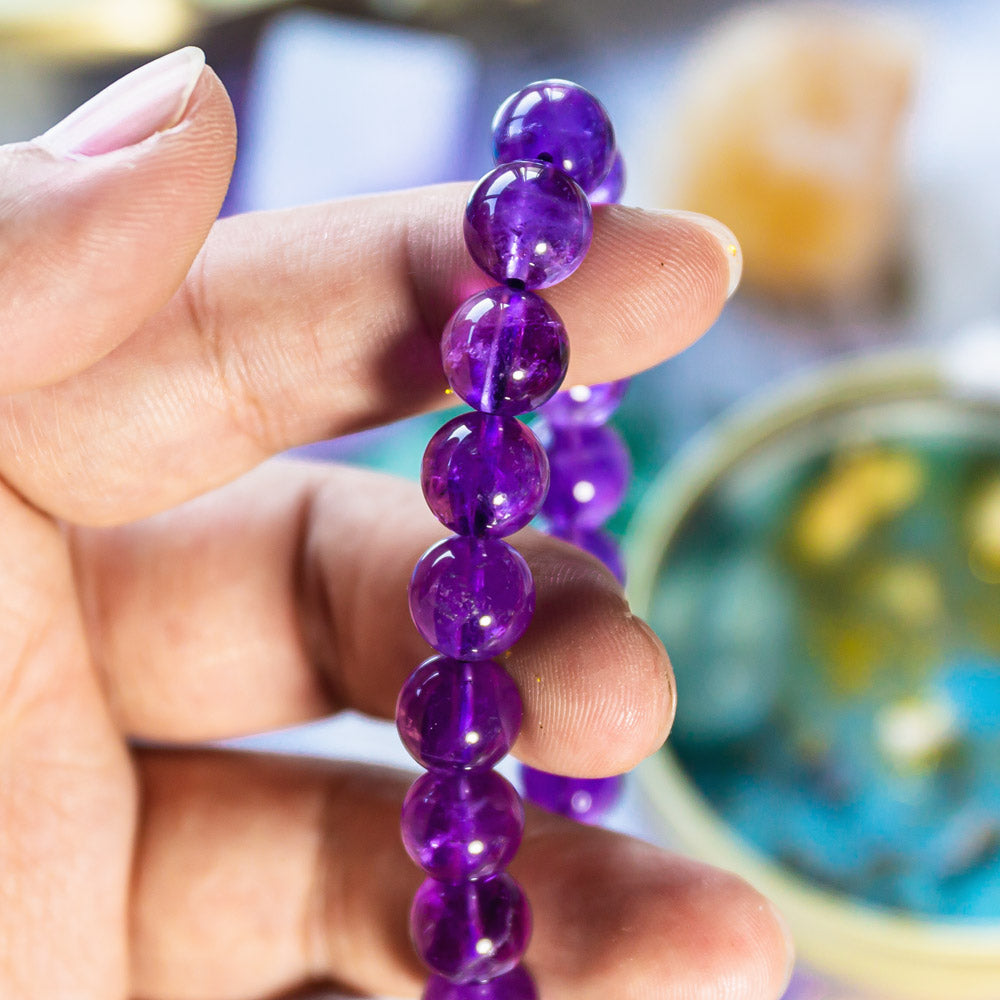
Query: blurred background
814, 524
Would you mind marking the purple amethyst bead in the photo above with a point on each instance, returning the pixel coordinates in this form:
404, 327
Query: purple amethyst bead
586, 800
595, 541
514, 985
560, 123
462, 826
470, 931
452, 714
505, 351
589, 405
589, 473
612, 187
484, 474
471, 598
528, 225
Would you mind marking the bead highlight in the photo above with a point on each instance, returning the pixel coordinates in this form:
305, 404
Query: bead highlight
556, 122
471, 598
463, 826
589, 474
455, 715
505, 351
470, 931
528, 225
485, 475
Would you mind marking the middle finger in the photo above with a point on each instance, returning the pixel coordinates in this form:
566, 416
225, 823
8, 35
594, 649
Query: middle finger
283, 597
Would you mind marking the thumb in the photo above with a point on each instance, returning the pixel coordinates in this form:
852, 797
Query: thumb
102, 216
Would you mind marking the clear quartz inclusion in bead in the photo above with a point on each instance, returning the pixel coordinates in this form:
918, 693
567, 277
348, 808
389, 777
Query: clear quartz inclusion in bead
484, 474
469, 931
505, 351
471, 598
462, 825
557, 122
528, 225
456, 715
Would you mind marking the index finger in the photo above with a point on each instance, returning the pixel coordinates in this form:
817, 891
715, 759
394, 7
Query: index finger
299, 325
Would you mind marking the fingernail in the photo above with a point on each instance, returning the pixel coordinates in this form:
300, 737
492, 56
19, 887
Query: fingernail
150, 99
726, 240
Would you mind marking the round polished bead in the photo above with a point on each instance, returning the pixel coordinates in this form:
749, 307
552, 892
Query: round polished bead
463, 825
469, 931
471, 598
484, 474
514, 985
589, 405
452, 714
610, 190
505, 351
589, 473
560, 123
586, 800
528, 225
595, 541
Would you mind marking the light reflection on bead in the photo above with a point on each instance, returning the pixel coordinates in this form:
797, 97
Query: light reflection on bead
484, 475
586, 800
557, 122
589, 405
452, 714
470, 931
507, 212
462, 825
589, 471
471, 598
505, 351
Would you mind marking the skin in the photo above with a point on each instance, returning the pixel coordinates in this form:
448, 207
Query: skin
161, 580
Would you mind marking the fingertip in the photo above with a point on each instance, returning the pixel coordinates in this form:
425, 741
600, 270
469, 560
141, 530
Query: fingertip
596, 682
150, 99
663, 685
724, 239
616, 915
97, 243
754, 949
210, 106
679, 269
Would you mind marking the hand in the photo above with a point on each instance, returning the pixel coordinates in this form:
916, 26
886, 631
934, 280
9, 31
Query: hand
152, 354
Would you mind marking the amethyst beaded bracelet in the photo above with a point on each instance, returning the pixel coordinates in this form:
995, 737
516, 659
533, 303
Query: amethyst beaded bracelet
589, 473
485, 475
